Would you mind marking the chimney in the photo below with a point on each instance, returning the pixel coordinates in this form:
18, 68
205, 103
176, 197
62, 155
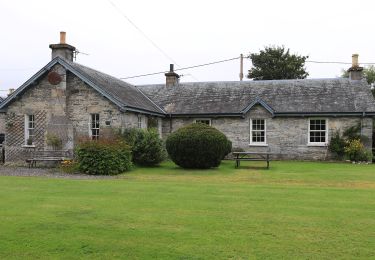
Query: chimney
62, 49
171, 77
355, 71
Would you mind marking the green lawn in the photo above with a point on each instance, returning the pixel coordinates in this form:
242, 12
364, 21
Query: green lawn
294, 210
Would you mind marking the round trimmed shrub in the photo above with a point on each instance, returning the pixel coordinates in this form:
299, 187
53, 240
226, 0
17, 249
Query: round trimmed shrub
103, 157
197, 146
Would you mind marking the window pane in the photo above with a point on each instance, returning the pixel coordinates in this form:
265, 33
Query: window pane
258, 132
318, 130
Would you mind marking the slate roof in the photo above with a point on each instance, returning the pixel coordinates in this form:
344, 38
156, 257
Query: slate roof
127, 94
304, 96
122, 94
280, 97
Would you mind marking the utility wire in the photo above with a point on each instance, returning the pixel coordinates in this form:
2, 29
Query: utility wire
339, 62
185, 68
143, 34
16, 69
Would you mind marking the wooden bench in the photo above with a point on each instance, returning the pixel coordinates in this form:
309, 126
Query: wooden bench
48, 156
251, 156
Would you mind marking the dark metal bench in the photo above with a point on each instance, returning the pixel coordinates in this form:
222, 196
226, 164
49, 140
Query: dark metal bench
252, 156
48, 156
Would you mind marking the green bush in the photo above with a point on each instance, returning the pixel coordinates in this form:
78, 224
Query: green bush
130, 135
197, 146
146, 145
103, 157
228, 148
54, 141
148, 149
337, 145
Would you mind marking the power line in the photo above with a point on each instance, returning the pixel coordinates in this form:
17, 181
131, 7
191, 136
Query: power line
16, 69
185, 68
338, 62
143, 34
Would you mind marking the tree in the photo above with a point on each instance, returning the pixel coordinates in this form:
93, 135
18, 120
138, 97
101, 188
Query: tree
277, 63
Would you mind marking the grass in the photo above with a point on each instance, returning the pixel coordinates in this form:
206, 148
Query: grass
294, 210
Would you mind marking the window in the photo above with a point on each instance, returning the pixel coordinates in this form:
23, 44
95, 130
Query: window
94, 126
139, 121
203, 121
29, 129
318, 133
258, 132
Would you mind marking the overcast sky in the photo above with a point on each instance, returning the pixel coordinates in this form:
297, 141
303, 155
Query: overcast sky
190, 32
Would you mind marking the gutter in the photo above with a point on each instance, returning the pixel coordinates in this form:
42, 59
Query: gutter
143, 111
334, 114
209, 115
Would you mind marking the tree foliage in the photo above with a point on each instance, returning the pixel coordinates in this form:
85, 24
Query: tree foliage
277, 63
368, 74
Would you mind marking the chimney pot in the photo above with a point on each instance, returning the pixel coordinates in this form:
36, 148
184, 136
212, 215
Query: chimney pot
355, 60
171, 69
62, 37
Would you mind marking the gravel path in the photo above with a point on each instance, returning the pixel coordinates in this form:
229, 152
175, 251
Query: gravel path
47, 172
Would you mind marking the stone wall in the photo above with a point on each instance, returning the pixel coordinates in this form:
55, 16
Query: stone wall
287, 137
47, 103
82, 101
2, 123
63, 110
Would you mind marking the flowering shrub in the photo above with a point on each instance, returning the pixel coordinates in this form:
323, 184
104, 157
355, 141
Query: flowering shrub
67, 163
356, 151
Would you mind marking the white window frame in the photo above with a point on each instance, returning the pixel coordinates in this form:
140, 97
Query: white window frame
265, 133
203, 119
91, 128
326, 133
28, 128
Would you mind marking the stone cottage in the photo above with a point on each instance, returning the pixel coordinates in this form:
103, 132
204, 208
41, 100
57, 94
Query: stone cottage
293, 119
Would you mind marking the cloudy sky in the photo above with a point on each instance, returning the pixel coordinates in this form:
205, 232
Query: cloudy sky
188, 33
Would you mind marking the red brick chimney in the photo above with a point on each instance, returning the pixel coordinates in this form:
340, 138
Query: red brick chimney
63, 49
355, 71
171, 77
